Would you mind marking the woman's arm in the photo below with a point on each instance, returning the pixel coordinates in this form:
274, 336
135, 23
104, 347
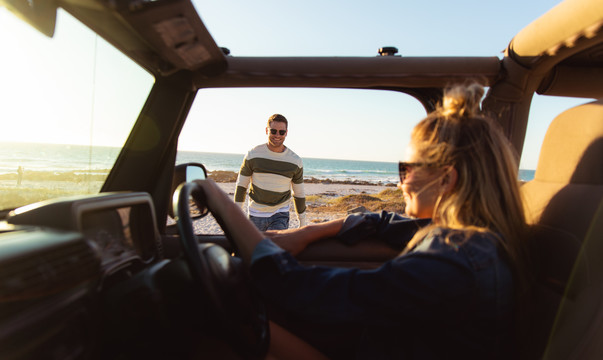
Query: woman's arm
244, 234
296, 240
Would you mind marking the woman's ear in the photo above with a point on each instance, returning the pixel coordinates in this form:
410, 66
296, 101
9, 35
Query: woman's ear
449, 179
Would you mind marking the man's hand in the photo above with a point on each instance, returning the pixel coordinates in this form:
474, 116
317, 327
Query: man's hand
302, 219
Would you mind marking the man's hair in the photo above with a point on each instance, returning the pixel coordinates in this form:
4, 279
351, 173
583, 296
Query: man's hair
279, 118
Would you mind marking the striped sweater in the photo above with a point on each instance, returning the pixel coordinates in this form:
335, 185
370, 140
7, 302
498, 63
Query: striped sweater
271, 178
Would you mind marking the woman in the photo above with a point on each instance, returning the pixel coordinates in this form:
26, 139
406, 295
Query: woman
452, 290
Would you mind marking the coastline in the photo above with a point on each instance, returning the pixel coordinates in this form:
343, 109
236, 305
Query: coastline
223, 176
324, 189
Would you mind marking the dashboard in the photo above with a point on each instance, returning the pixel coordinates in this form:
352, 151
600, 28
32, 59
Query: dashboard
84, 278
120, 226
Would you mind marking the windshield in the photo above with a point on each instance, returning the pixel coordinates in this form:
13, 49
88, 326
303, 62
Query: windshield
68, 104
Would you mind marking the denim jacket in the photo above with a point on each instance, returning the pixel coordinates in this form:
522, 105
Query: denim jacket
450, 296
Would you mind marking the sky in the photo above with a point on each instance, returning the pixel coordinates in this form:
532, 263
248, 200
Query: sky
338, 124
358, 125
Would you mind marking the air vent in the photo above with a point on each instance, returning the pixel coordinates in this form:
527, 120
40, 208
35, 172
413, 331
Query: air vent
39, 264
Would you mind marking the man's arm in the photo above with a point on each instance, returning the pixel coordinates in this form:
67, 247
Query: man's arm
299, 200
299, 196
243, 180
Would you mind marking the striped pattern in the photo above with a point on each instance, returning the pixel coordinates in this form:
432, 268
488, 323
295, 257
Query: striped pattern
272, 178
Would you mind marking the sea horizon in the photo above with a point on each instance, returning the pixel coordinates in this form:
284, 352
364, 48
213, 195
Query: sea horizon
378, 172
80, 159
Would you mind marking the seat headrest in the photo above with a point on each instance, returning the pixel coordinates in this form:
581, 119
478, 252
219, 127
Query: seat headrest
572, 150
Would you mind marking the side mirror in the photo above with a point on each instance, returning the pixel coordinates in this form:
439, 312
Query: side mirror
186, 173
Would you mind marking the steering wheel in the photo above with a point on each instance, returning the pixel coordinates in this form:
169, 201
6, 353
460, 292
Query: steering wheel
238, 312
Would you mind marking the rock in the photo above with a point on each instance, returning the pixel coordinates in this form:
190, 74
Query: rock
357, 209
222, 176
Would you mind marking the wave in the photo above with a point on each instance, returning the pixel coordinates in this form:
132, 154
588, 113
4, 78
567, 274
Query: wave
71, 176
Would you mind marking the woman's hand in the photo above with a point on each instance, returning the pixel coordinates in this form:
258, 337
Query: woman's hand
241, 231
215, 197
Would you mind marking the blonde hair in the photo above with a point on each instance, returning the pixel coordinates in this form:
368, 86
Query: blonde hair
486, 195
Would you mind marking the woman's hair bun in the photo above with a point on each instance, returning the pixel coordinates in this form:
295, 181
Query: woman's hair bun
462, 100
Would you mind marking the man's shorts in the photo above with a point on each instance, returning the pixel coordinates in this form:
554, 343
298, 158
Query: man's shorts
278, 221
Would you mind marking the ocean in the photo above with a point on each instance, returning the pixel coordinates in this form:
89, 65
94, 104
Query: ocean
338, 170
57, 158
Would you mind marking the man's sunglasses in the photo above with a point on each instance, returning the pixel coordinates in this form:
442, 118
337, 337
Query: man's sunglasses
405, 167
281, 132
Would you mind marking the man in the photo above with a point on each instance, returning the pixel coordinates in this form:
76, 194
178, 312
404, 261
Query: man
272, 171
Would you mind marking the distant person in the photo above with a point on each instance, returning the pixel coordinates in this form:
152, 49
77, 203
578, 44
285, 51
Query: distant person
273, 173
19, 175
452, 293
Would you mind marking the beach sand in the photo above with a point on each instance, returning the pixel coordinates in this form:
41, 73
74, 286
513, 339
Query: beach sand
316, 194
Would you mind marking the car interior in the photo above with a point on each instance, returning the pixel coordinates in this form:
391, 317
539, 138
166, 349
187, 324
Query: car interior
104, 275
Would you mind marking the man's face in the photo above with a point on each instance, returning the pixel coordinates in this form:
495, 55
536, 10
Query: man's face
274, 132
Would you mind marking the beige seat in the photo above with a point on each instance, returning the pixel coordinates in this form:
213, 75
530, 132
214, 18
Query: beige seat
563, 204
578, 329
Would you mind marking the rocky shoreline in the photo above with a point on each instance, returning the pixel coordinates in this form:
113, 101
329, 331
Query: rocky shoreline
221, 176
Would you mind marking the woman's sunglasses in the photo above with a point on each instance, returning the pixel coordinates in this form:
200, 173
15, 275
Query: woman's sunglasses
405, 167
281, 132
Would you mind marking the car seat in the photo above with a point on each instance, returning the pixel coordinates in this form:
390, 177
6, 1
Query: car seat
563, 206
578, 327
